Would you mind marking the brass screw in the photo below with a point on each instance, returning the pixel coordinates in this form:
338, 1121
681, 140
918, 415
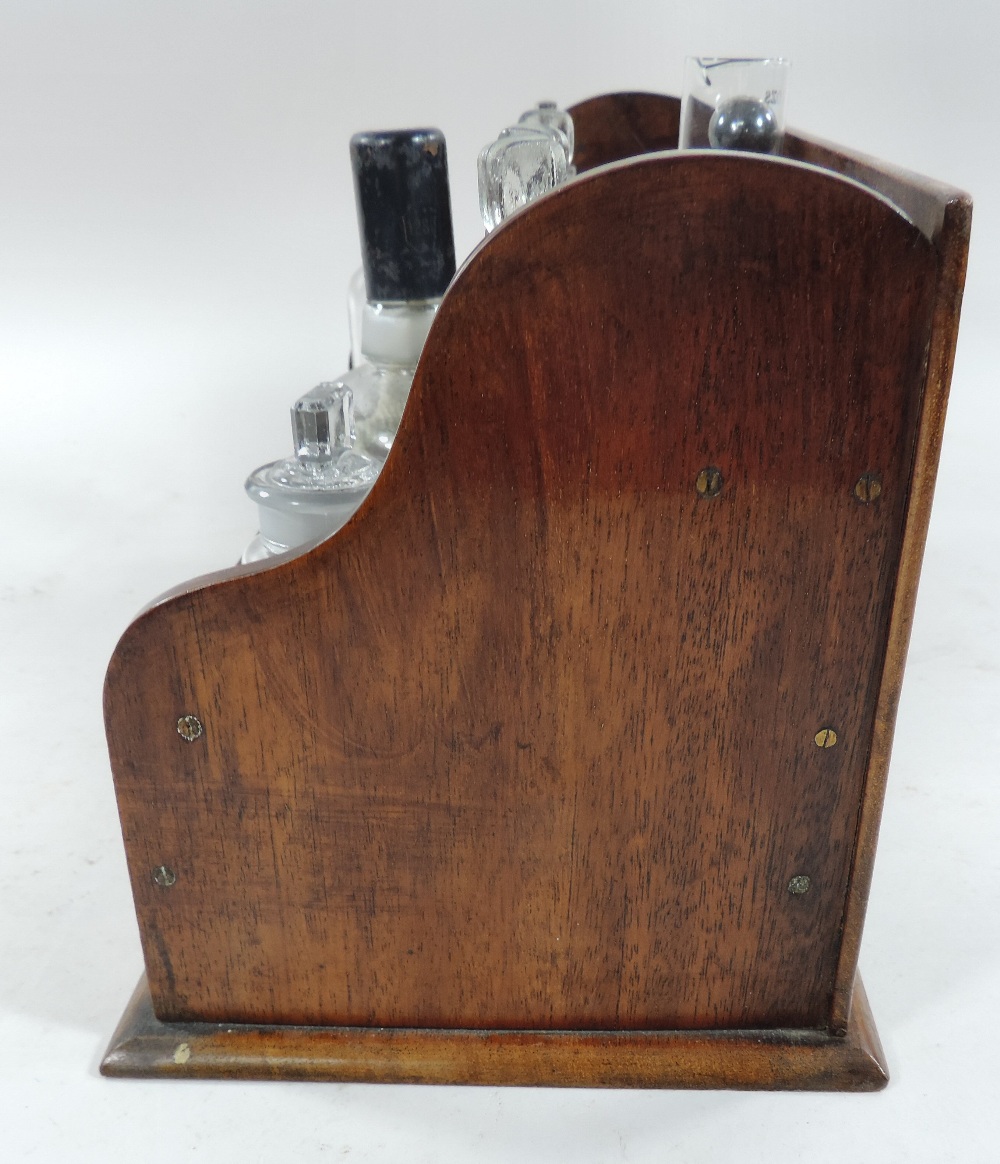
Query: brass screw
164, 876
799, 884
189, 728
825, 738
709, 482
868, 488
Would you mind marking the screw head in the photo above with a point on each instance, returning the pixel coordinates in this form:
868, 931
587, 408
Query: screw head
825, 738
799, 884
868, 488
164, 876
709, 482
189, 728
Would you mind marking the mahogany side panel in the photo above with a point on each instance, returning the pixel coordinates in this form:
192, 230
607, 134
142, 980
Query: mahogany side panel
623, 125
618, 126
952, 245
531, 743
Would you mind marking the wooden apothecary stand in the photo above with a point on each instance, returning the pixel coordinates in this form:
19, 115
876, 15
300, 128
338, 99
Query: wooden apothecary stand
563, 761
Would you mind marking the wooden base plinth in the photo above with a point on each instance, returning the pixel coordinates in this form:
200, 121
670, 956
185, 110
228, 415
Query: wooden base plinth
769, 1060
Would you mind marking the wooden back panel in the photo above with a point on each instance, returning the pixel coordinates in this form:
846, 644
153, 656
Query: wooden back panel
531, 742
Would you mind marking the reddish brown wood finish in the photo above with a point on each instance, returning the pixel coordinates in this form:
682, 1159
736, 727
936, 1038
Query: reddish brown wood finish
626, 123
529, 745
773, 1060
951, 242
623, 125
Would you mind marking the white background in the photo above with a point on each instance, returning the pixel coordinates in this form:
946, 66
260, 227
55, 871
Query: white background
176, 233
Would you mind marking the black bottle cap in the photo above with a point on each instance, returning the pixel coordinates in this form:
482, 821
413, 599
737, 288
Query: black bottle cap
404, 213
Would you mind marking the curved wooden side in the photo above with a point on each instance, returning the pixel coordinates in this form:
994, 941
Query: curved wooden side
531, 743
619, 125
623, 125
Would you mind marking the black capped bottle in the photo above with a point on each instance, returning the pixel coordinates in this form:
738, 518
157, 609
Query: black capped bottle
343, 429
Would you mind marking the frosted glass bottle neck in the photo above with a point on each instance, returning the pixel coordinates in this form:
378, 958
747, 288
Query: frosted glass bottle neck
393, 333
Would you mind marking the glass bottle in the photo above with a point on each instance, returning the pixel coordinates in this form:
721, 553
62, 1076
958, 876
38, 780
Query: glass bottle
734, 103
343, 429
548, 116
357, 297
526, 161
313, 493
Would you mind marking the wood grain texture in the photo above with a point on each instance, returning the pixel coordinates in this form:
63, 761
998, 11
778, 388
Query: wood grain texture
923, 200
952, 246
623, 125
529, 744
773, 1060
617, 126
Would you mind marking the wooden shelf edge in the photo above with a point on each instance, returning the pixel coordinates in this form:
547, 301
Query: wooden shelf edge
767, 1060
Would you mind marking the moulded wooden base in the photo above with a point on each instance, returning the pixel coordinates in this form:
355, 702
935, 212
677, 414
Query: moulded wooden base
770, 1060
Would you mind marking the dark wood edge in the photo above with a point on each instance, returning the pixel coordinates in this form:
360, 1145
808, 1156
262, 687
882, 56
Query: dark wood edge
923, 200
779, 1060
622, 125
615, 126
953, 246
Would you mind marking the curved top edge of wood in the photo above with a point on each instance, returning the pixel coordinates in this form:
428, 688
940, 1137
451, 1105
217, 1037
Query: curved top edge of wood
619, 125
521, 225
517, 232
687, 158
940, 211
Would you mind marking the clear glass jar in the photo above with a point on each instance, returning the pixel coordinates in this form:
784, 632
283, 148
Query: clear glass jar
342, 432
735, 103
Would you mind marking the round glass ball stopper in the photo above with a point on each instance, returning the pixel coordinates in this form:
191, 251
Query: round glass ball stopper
743, 123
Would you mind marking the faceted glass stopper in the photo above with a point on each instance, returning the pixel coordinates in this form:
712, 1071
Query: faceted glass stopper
325, 460
521, 165
548, 116
323, 422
